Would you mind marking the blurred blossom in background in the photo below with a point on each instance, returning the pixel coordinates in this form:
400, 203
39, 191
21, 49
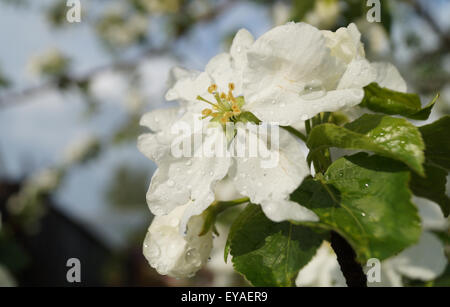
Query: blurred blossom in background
72, 183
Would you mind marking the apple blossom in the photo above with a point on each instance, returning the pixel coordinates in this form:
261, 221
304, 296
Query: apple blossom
173, 254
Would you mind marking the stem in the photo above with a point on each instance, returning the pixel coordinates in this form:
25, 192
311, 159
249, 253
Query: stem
307, 126
295, 132
215, 209
352, 270
222, 205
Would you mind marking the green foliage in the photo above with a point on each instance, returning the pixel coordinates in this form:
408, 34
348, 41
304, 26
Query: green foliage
395, 138
432, 186
366, 200
437, 142
268, 253
437, 164
383, 100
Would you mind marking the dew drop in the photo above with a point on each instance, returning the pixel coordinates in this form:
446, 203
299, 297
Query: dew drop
313, 90
192, 257
363, 214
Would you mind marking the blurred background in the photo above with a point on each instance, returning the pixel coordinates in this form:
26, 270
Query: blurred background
73, 184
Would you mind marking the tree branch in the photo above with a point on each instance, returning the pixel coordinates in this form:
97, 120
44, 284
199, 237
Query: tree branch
352, 270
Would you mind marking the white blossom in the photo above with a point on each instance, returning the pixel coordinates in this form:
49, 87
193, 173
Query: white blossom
322, 271
172, 253
179, 180
295, 71
425, 260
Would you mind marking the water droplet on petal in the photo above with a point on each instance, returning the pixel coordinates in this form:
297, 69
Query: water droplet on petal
313, 90
192, 257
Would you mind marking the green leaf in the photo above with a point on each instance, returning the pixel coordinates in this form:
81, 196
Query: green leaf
432, 186
392, 137
437, 142
268, 253
384, 100
367, 201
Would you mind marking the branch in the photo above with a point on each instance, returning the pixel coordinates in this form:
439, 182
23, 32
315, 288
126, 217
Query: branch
352, 270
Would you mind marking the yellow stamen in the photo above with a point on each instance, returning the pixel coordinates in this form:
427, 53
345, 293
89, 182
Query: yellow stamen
212, 88
231, 86
231, 97
223, 95
206, 112
207, 101
235, 108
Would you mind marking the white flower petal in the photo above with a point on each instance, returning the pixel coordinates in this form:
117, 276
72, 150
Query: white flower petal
242, 41
177, 73
291, 75
183, 176
173, 254
322, 271
425, 260
220, 71
431, 214
359, 73
389, 76
226, 191
286, 210
189, 87
271, 172
160, 119
345, 43
292, 108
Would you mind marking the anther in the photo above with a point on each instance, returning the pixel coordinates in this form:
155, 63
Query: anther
212, 88
206, 112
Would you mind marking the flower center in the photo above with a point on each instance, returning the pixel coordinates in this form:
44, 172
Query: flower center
227, 108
